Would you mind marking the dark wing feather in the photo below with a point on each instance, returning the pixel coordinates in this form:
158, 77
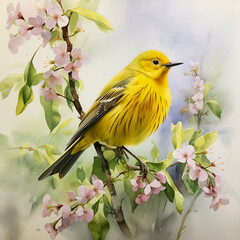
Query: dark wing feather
100, 107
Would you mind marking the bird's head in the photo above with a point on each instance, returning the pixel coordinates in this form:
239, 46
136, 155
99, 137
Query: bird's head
152, 63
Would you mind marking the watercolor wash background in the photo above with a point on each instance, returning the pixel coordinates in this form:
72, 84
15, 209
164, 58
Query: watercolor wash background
183, 30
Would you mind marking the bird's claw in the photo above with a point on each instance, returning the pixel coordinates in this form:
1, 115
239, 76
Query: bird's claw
143, 168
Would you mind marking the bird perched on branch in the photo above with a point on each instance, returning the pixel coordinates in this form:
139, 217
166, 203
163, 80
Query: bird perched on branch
128, 110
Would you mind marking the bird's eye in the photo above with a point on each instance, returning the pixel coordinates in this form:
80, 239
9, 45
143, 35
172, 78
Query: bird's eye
155, 62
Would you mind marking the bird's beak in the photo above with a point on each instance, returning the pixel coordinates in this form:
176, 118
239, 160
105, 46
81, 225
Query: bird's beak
171, 64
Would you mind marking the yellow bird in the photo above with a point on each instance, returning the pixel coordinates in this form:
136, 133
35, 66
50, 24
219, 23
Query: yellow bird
128, 110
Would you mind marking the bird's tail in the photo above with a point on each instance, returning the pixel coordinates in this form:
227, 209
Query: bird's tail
66, 161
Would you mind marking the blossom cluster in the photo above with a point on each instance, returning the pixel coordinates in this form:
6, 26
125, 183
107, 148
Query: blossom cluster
210, 187
147, 187
197, 100
76, 210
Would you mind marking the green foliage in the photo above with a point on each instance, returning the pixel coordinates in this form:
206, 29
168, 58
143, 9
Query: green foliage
101, 22
73, 22
54, 37
192, 186
177, 135
160, 165
207, 88
214, 107
205, 141
155, 153
178, 197
81, 174
195, 136
98, 170
30, 71
37, 79
128, 189
187, 134
68, 95
8, 83
169, 192
99, 226
52, 114
62, 125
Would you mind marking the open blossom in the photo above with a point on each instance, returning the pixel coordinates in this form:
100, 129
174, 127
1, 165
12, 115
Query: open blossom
199, 173
48, 93
192, 108
14, 43
198, 98
55, 77
193, 65
86, 214
198, 84
74, 68
161, 177
62, 56
49, 206
55, 17
185, 155
37, 23
137, 182
13, 14
98, 186
51, 230
46, 36
25, 30
71, 195
219, 201
84, 194
154, 187
82, 58
79, 25
142, 198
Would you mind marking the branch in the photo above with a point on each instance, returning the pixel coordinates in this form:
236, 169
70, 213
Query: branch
116, 205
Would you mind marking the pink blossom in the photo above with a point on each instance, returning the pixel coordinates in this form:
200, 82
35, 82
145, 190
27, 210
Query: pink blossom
79, 25
154, 187
37, 23
82, 58
62, 56
185, 155
71, 195
142, 198
74, 68
161, 177
14, 43
192, 108
87, 214
55, 77
218, 183
51, 230
67, 217
198, 84
214, 190
198, 98
48, 93
200, 174
46, 35
49, 206
219, 201
193, 65
137, 182
98, 186
25, 30
13, 14
84, 194
187, 166
55, 17
42, 7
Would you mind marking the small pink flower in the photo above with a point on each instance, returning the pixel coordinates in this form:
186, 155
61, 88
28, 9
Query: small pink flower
218, 183
67, 217
71, 195
13, 14
74, 68
55, 17
48, 93
142, 198
25, 30
193, 65
219, 201
49, 206
14, 43
161, 177
192, 108
79, 25
55, 77
87, 214
98, 187
84, 194
198, 98
200, 174
62, 56
46, 35
154, 187
187, 166
185, 155
82, 58
198, 84
37, 23
51, 230
137, 182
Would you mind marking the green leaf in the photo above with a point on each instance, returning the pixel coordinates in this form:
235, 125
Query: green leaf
214, 107
177, 135
68, 95
8, 83
172, 126
155, 153
206, 89
192, 186
128, 189
160, 165
37, 156
81, 174
25, 97
169, 192
187, 134
52, 114
98, 170
62, 125
195, 136
99, 226
73, 22
54, 37
178, 197
202, 159
101, 22
205, 141
37, 79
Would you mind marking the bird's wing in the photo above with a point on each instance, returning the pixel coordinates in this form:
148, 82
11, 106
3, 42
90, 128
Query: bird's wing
100, 107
